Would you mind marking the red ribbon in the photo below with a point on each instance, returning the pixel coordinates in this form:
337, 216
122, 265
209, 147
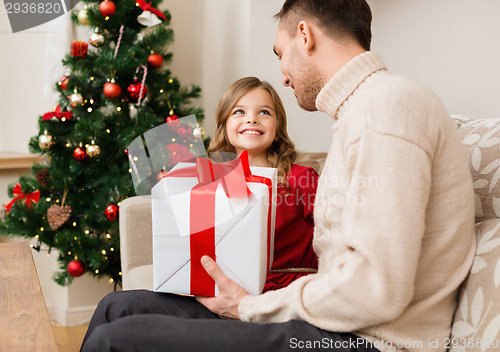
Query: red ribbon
19, 195
57, 113
202, 211
147, 7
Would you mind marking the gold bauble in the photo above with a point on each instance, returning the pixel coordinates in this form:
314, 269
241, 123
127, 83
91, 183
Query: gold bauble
200, 131
75, 99
83, 16
45, 141
93, 150
96, 39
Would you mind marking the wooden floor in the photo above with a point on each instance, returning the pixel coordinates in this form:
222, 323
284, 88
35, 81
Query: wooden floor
69, 339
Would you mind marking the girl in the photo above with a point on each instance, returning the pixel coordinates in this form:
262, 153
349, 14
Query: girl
251, 117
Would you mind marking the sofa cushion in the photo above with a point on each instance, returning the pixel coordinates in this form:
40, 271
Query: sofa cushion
477, 319
314, 160
481, 140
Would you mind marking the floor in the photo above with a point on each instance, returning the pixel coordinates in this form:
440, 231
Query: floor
69, 339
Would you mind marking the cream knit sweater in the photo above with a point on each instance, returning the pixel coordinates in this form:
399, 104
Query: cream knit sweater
394, 217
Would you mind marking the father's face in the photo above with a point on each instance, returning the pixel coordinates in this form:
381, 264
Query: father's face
297, 69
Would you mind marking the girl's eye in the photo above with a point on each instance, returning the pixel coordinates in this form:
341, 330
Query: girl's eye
265, 112
237, 112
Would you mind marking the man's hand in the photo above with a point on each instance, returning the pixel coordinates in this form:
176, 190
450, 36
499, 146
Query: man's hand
230, 293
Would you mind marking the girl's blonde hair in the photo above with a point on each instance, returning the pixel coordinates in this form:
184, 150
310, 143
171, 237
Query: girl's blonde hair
281, 154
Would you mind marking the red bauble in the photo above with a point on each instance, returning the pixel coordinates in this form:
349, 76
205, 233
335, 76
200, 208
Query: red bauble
107, 8
76, 268
155, 60
134, 91
80, 154
171, 118
112, 90
111, 212
63, 82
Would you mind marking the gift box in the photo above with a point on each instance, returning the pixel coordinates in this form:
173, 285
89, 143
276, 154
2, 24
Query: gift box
222, 210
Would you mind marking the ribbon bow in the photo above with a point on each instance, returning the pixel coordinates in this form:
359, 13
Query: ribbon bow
58, 114
19, 195
147, 7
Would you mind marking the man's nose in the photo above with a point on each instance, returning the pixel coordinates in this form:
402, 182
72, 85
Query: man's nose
286, 81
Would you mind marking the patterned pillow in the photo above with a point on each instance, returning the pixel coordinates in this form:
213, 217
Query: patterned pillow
477, 319
481, 140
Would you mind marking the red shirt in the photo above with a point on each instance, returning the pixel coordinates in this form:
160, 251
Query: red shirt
294, 227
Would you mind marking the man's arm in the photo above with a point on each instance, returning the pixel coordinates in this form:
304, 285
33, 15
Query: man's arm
381, 233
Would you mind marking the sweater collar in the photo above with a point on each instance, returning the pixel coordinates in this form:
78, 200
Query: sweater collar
344, 82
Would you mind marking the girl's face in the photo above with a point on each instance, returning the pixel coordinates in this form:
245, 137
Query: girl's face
252, 123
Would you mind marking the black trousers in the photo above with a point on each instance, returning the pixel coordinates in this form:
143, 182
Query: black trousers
148, 321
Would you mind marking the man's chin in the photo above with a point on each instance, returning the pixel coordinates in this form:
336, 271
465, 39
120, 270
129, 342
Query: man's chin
307, 106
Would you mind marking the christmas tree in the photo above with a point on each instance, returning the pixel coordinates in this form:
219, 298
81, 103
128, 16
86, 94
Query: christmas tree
115, 89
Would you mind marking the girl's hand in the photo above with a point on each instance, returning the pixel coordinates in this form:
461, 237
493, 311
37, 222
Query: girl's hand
230, 293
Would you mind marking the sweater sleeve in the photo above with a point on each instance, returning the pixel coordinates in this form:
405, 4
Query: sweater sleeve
383, 223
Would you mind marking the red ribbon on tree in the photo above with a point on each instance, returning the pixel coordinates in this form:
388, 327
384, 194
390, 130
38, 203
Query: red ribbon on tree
202, 211
147, 7
32, 197
57, 113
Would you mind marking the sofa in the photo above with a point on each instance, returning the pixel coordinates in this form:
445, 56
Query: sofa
477, 317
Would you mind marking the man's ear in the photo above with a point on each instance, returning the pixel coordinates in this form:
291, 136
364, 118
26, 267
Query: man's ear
305, 34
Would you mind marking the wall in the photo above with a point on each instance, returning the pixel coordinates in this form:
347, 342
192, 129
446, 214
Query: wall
453, 46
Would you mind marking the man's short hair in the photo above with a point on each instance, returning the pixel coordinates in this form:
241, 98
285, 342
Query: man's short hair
340, 19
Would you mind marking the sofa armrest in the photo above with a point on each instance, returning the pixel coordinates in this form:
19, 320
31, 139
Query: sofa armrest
136, 243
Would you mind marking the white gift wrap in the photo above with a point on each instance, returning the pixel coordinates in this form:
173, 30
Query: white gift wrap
240, 233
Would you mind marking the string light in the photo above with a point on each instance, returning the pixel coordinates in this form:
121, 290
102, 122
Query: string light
74, 224
87, 232
41, 229
112, 249
103, 251
170, 81
106, 18
36, 236
120, 273
96, 271
111, 281
173, 139
75, 238
108, 130
48, 199
119, 108
108, 236
161, 90
130, 171
69, 252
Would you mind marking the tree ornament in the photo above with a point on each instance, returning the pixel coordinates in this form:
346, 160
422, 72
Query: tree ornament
200, 132
96, 39
57, 115
43, 177
93, 150
57, 215
112, 90
171, 118
79, 154
150, 15
63, 82
155, 60
83, 16
79, 49
134, 91
183, 132
45, 140
107, 8
19, 195
75, 99
76, 268
111, 212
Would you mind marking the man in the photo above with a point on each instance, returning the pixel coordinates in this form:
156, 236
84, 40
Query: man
394, 217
